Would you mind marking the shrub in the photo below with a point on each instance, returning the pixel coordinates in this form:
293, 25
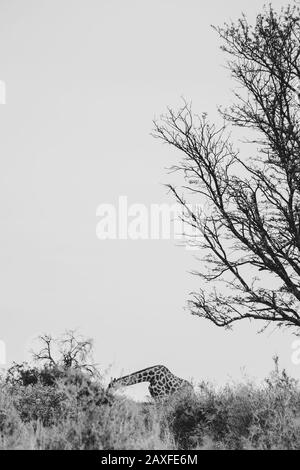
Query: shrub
68, 408
239, 416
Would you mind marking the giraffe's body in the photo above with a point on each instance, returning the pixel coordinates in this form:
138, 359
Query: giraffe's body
161, 381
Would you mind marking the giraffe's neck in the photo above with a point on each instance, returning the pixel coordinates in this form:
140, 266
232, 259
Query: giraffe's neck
144, 375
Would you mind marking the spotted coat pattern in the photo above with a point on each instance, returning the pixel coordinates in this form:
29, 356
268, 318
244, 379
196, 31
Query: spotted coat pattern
162, 382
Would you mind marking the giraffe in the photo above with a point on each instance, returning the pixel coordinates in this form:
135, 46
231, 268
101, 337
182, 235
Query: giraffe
161, 381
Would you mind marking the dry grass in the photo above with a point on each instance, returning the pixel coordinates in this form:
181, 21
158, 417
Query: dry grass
75, 412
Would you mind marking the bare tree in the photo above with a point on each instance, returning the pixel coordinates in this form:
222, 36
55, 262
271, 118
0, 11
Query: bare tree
250, 228
69, 352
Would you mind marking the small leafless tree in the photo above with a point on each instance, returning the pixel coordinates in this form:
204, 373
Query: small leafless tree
250, 226
69, 352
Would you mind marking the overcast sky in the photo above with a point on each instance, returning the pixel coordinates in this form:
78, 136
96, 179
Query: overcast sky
84, 80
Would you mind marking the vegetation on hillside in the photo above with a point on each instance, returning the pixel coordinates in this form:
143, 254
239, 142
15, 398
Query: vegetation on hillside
65, 406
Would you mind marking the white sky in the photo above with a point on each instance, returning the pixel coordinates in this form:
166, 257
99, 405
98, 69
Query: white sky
84, 80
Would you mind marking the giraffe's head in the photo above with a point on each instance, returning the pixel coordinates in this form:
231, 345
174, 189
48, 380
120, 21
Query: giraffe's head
113, 385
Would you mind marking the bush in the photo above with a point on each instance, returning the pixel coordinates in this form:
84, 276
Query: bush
239, 416
9, 417
48, 408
